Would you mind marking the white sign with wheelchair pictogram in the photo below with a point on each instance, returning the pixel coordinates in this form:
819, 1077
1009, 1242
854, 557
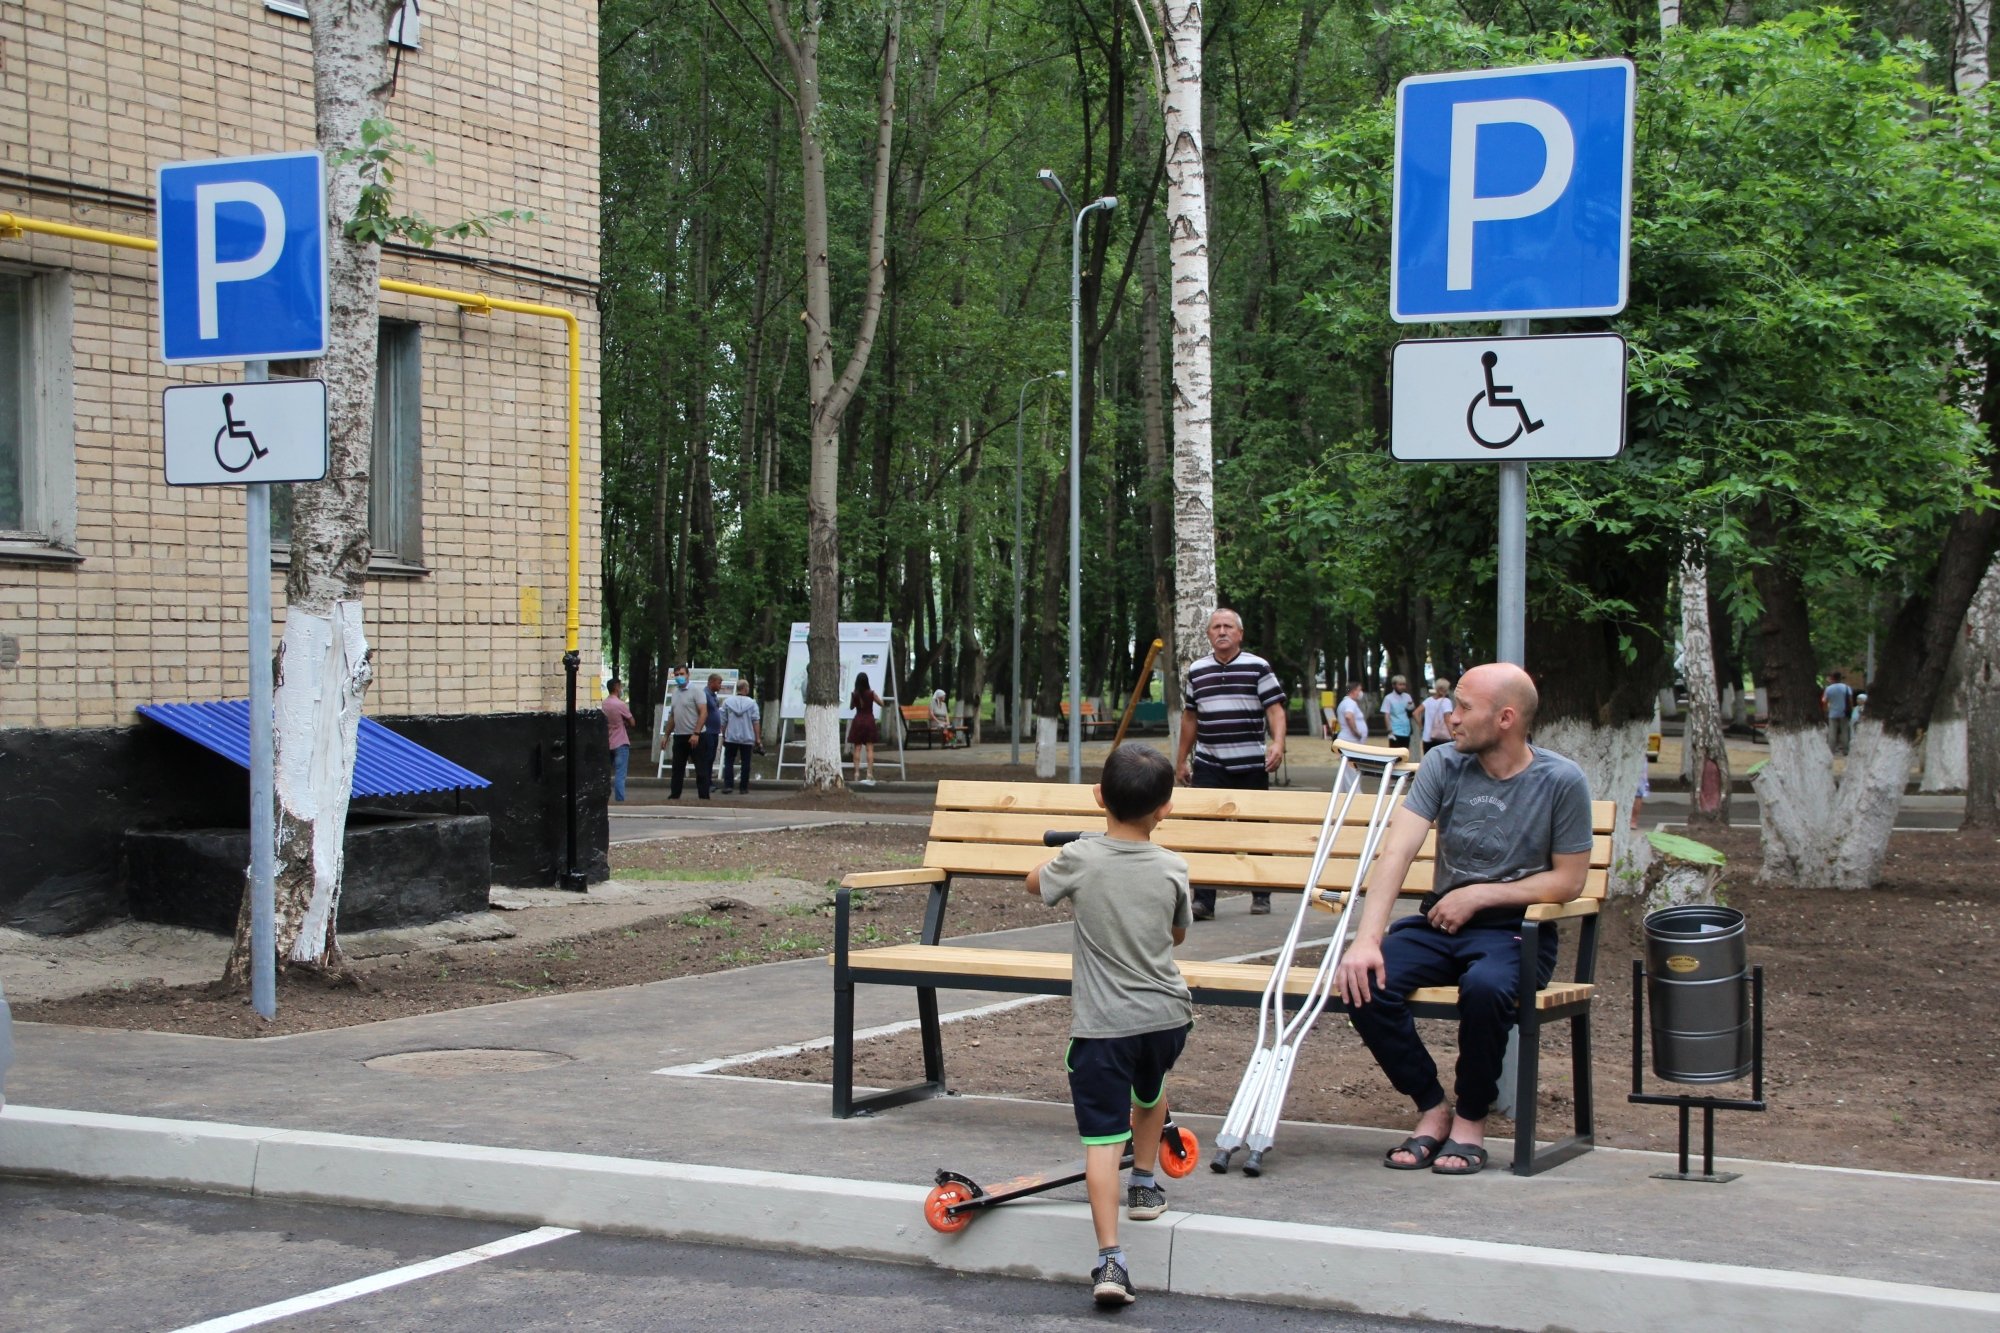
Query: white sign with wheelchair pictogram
1490, 400
239, 434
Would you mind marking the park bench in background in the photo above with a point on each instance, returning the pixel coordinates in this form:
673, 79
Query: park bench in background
917, 721
1092, 721
1232, 839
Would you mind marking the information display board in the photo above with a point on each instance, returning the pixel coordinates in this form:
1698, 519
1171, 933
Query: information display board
864, 646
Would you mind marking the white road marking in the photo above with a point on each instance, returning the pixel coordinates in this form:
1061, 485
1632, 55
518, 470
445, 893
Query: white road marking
395, 1277
710, 1068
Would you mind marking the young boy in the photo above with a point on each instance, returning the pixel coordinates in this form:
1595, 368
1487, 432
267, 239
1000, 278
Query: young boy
1131, 1009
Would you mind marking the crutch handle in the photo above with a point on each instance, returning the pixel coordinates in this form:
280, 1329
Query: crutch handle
1377, 752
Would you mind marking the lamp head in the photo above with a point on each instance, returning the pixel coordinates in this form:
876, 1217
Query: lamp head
1107, 203
1059, 374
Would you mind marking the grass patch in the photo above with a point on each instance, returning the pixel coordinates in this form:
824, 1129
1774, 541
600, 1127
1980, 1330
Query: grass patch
731, 876
791, 943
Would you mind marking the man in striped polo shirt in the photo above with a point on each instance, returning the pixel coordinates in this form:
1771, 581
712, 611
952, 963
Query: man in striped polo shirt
1230, 698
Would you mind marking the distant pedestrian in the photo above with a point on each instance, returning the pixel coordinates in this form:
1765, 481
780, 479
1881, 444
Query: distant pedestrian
740, 717
862, 731
1230, 700
689, 715
1437, 715
618, 724
941, 717
1352, 726
1838, 701
711, 730
1398, 710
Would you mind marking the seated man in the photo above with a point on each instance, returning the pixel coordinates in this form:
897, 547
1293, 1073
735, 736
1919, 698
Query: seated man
1513, 826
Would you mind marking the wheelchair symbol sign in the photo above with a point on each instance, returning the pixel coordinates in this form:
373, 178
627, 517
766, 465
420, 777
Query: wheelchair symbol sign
1506, 399
240, 434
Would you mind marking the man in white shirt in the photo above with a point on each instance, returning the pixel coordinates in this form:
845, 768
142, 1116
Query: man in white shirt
1436, 709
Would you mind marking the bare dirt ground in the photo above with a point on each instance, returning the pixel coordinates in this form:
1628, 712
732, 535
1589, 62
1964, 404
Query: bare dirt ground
1881, 1006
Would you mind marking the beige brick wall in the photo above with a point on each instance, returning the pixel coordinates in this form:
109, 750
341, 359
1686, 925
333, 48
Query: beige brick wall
94, 94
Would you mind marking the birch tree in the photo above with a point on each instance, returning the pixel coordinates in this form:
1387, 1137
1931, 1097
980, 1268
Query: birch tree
827, 396
1179, 24
323, 665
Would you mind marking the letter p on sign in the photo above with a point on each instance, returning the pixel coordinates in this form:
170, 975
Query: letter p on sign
1513, 194
243, 255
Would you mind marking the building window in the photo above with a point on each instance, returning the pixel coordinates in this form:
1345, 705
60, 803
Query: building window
405, 25
37, 417
395, 505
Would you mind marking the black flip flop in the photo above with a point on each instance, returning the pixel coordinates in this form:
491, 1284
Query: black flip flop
1471, 1152
1422, 1146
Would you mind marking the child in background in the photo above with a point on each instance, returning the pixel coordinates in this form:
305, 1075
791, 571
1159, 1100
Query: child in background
1131, 1011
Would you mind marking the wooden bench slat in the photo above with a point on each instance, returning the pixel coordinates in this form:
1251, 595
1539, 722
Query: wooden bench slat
1246, 978
1221, 869
886, 879
1181, 835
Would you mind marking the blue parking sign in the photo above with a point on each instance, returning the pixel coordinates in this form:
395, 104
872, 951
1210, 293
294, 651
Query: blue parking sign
243, 259
1513, 193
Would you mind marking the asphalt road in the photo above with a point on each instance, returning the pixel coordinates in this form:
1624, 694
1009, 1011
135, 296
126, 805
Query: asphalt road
104, 1259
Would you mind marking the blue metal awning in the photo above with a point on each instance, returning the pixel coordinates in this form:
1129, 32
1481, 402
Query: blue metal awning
385, 764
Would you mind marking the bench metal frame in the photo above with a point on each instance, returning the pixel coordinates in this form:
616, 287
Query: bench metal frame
1528, 1159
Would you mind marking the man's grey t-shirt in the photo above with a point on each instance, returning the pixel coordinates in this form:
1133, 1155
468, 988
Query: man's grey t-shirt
1127, 897
1495, 832
687, 709
1839, 698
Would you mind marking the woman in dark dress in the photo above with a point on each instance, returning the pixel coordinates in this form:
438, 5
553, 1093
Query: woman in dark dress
861, 731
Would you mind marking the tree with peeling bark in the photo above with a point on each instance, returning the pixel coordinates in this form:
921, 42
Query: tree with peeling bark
323, 665
796, 32
1707, 766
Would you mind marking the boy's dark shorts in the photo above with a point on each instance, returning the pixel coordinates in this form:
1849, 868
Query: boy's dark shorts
1108, 1076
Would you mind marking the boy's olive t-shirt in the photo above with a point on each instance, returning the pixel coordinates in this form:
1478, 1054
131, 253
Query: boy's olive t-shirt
1127, 897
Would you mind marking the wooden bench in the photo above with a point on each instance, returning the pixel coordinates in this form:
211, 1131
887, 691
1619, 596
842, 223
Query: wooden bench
1091, 722
1260, 840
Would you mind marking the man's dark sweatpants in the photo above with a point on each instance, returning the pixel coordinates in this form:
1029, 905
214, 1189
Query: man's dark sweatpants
1485, 964
1244, 779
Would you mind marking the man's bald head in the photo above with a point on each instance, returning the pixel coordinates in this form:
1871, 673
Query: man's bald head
1504, 685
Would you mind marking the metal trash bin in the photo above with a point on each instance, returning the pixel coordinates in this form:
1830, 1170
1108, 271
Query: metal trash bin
1698, 989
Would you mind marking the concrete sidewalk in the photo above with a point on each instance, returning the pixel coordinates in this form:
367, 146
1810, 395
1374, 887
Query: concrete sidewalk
616, 1110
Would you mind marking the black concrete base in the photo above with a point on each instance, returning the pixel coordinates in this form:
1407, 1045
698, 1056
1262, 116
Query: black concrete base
399, 871
68, 796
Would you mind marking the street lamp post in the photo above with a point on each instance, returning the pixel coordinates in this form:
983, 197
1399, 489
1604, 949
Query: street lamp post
1107, 203
1014, 705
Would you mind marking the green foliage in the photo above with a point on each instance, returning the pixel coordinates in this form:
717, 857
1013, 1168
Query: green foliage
1685, 849
375, 220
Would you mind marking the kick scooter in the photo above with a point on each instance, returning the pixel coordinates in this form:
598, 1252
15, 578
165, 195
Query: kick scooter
951, 1205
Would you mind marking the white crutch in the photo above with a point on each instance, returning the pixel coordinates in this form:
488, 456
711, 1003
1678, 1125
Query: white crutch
1270, 1011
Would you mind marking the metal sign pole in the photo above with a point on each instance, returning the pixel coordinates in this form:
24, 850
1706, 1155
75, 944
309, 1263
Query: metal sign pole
1511, 641
263, 840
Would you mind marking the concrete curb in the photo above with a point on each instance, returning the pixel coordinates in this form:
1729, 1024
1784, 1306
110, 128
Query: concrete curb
1508, 1286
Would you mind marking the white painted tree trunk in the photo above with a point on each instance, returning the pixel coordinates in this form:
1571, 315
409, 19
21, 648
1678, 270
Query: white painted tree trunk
1819, 833
1045, 747
1674, 883
1179, 23
1614, 760
323, 663
1944, 738
822, 740
1707, 757
318, 705
1972, 50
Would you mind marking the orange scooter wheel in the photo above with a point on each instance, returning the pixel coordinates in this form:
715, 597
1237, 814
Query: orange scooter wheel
944, 1197
1178, 1164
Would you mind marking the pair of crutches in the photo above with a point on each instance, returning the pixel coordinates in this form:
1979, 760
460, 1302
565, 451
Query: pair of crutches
1260, 1098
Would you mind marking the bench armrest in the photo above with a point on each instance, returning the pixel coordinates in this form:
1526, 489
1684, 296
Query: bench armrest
886, 879
1561, 911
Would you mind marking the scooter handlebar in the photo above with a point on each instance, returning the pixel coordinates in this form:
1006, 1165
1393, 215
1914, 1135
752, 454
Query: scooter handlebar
1061, 837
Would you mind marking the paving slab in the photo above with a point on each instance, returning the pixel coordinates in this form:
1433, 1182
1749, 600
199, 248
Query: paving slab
595, 1134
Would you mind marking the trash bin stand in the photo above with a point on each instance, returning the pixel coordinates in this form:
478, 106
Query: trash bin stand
1708, 1105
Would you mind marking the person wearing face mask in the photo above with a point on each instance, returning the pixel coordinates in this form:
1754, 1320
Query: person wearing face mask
689, 705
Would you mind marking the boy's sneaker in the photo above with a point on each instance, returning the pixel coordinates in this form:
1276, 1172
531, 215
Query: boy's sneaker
1143, 1203
1111, 1284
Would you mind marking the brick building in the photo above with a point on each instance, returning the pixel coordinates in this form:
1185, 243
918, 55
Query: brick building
116, 590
